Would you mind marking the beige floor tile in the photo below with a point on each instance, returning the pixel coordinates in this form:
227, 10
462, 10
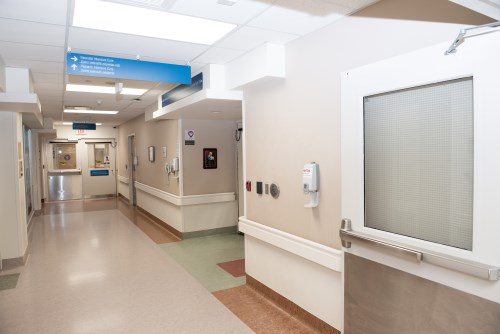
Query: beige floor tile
95, 272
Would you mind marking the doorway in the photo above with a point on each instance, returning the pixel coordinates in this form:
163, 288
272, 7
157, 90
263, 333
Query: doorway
99, 171
131, 165
419, 194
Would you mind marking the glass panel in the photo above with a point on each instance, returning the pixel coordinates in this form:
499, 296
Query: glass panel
64, 156
419, 162
99, 155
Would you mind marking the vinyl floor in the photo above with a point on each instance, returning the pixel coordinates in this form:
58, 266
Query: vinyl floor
101, 266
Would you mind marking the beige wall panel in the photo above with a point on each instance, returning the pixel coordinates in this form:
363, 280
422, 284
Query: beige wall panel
297, 120
217, 134
158, 134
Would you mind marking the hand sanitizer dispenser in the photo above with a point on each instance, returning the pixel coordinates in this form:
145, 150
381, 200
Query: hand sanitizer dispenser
310, 181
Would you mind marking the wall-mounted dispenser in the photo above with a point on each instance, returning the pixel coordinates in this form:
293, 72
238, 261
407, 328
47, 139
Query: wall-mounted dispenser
175, 164
310, 181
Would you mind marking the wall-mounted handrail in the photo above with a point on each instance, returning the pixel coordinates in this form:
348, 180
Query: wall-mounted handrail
484, 271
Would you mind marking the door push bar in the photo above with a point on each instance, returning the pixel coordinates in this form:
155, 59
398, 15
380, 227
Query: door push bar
348, 236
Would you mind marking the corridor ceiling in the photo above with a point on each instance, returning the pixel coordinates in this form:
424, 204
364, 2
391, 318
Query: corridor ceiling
37, 35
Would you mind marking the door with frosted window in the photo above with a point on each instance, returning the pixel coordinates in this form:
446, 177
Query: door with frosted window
99, 175
420, 190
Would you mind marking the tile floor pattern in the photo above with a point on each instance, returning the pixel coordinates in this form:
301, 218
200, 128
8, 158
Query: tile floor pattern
235, 268
8, 281
95, 272
138, 295
258, 313
199, 256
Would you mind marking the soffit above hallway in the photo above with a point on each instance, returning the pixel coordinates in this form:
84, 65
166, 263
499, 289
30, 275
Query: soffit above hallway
37, 35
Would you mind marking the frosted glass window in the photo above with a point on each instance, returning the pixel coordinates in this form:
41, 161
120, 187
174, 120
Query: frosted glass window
64, 156
418, 146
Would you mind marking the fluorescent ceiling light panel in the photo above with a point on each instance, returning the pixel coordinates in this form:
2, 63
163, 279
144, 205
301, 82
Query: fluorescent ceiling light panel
71, 123
89, 111
103, 89
108, 16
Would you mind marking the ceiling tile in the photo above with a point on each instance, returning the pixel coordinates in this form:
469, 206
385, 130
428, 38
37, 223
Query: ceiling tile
196, 67
299, 17
15, 51
248, 38
49, 95
50, 67
353, 4
51, 106
240, 12
31, 32
48, 86
46, 11
219, 56
48, 78
126, 46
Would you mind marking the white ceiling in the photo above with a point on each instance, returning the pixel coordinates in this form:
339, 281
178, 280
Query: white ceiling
37, 34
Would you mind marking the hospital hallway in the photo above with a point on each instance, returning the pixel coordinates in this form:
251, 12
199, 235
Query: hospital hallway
101, 266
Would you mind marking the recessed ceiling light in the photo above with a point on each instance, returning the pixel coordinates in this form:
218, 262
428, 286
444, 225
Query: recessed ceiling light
216, 112
104, 15
103, 89
89, 111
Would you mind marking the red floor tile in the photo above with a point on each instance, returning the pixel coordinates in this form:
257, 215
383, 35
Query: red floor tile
235, 268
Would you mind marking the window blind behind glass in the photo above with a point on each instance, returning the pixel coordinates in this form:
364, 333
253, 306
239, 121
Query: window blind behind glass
418, 146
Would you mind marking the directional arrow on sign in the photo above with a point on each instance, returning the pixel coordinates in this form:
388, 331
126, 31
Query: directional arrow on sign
74, 58
74, 67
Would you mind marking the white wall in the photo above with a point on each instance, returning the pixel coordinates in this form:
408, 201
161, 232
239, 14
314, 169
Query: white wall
13, 226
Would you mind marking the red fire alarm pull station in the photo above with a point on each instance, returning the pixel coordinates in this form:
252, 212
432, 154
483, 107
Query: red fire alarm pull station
249, 185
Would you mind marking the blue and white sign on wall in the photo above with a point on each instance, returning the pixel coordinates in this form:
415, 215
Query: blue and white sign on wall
120, 68
99, 172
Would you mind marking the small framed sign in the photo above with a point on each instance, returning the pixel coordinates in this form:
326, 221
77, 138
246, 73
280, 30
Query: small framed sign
209, 158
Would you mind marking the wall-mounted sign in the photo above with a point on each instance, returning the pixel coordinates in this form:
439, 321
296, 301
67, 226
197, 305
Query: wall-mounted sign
189, 137
182, 91
84, 126
99, 172
120, 68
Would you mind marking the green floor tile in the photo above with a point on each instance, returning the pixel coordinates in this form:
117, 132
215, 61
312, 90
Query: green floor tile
199, 256
8, 281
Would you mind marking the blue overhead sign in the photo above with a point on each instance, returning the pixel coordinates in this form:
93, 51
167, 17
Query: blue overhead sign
120, 68
182, 91
84, 126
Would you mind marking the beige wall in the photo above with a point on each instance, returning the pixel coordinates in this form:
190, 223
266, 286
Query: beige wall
297, 120
217, 134
158, 134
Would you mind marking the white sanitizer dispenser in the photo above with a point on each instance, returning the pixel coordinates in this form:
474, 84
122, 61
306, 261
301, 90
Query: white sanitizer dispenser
310, 181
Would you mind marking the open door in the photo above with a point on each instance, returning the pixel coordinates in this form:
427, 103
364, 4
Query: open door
420, 190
